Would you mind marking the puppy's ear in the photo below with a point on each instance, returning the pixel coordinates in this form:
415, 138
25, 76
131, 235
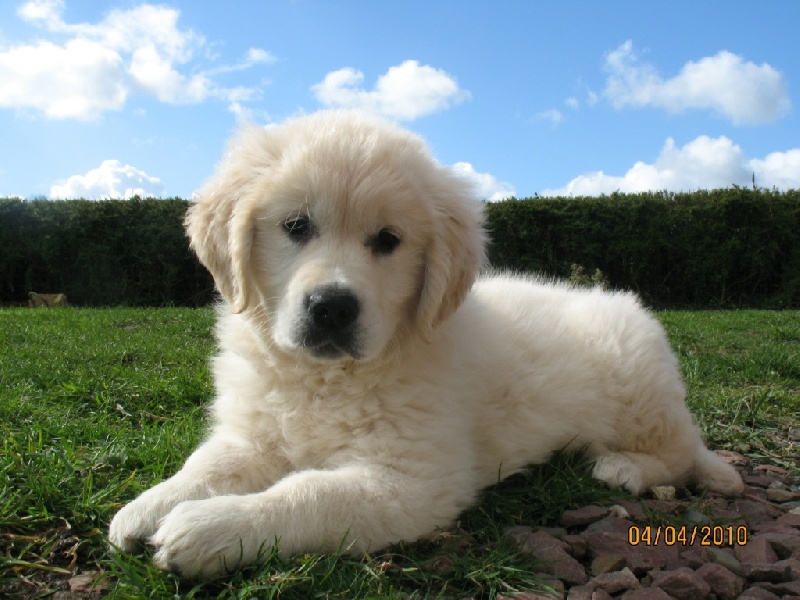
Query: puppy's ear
221, 237
455, 254
220, 223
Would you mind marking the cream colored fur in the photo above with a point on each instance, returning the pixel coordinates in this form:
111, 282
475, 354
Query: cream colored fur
449, 385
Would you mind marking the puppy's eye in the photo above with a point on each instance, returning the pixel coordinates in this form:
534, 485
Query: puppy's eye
298, 228
384, 243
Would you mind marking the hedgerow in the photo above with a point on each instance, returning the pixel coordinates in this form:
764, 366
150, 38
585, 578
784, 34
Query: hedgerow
723, 248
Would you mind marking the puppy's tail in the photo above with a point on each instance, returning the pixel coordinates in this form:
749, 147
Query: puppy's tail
712, 472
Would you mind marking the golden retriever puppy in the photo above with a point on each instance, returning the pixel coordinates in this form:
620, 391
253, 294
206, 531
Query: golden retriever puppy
367, 387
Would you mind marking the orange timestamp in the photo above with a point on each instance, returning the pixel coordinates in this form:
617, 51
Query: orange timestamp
704, 535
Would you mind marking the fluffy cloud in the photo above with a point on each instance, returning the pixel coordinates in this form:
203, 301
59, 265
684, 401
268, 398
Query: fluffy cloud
77, 80
486, 186
703, 163
110, 180
552, 116
98, 66
746, 93
406, 91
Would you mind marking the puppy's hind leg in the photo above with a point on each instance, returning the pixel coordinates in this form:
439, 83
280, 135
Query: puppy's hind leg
634, 471
637, 472
713, 473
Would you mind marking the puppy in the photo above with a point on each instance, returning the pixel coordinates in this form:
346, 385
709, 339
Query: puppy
367, 387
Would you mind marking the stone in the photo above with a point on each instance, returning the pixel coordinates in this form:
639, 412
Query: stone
696, 557
772, 573
519, 533
774, 469
757, 593
727, 560
790, 520
754, 511
581, 592
577, 545
616, 581
763, 481
649, 593
667, 507
773, 527
583, 516
724, 583
633, 508
603, 563
556, 532
555, 561
663, 492
780, 496
541, 540
639, 559
610, 523
84, 582
683, 584
692, 515
783, 544
794, 567
757, 550
531, 596
782, 589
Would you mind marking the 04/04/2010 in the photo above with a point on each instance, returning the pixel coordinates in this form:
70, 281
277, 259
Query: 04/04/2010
688, 535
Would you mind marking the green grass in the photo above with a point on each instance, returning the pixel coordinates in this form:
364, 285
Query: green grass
97, 405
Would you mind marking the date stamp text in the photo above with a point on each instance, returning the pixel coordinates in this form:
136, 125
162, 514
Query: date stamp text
704, 535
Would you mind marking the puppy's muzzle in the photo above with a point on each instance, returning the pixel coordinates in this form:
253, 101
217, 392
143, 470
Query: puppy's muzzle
331, 322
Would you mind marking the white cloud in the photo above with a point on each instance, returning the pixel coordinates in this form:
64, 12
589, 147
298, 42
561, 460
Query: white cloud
778, 169
46, 12
110, 180
552, 116
89, 68
703, 163
254, 56
573, 103
77, 80
746, 93
406, 91
486, 186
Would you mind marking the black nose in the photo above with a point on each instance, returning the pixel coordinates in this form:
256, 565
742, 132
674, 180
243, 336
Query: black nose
332, 309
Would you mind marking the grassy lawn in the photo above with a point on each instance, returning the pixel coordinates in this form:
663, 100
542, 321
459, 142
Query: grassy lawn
97, 405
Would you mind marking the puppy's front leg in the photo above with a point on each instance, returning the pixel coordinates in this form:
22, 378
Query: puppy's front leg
222, 465
365, 506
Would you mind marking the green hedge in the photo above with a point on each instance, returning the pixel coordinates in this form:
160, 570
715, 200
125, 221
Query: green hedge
724, 248
100, 253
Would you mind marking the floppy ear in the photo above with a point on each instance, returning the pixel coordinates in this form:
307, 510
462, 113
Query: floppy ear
222, 236
455, 255
220, 223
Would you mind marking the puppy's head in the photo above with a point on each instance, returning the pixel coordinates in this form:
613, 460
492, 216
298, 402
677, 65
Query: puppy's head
342, 229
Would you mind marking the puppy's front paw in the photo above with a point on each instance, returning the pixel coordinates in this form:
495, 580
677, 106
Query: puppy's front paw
135, 522
138, 520
208, 538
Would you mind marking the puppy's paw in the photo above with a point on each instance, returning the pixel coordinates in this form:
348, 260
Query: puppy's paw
714, 473
135, 522
207, 538
619, 471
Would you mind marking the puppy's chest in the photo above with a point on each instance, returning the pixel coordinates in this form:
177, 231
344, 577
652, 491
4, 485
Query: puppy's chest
326, 433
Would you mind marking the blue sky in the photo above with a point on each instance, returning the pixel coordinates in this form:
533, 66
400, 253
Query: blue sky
107, 99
